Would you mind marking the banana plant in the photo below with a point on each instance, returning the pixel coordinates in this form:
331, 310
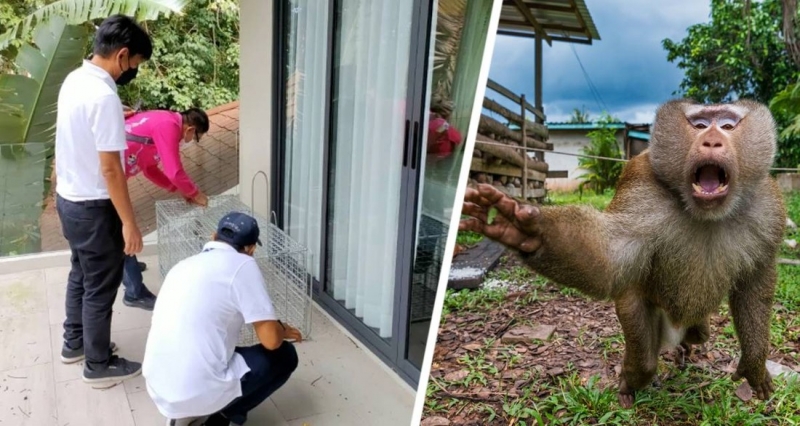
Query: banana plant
80, 11
29, 99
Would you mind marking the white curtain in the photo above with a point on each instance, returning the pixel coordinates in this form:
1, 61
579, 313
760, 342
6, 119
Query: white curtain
371, 60
305, 72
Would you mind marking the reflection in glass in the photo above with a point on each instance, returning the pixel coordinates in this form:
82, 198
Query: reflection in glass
461, 30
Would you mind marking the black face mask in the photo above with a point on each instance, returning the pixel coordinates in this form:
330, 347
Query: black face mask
127, 76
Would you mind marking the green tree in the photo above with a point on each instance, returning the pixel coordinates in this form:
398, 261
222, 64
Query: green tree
579, 116
738, 54
195, 59
601, 174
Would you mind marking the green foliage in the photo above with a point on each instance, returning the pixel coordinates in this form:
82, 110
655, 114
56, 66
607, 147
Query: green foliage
579, 116
601, 174
80, 11
467, 238
598, 201
738, 54
31, 99
195, 59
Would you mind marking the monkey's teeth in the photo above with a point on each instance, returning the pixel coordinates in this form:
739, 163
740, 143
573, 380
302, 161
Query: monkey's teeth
697, 188
722, 188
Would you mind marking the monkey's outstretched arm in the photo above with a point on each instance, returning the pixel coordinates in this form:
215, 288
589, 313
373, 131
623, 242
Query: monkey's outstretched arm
751, 308
570, 245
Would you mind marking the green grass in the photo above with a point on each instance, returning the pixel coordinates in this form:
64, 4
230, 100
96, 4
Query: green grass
599, 202
694, 396
468, 239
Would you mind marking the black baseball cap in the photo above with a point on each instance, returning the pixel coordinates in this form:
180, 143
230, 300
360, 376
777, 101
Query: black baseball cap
238, 229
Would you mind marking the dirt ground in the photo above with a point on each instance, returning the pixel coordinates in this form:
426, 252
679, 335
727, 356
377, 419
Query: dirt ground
474, 376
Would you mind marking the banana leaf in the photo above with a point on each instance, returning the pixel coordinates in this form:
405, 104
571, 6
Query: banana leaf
80, 11
29, 113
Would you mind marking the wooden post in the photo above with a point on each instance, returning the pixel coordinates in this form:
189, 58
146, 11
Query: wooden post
524, 148
538, 86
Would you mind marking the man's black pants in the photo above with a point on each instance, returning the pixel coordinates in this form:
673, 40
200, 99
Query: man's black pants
94, 232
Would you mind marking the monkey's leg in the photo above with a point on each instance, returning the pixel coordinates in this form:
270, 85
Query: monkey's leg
695, 335
751, 308
642, 327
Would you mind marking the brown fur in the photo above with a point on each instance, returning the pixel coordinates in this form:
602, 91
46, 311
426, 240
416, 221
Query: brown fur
667, 260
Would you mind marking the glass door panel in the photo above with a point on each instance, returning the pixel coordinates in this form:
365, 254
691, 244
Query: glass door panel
372, 40
305, 50
461, 31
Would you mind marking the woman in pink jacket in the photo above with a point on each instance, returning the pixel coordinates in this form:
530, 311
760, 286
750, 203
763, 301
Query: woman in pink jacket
155, 139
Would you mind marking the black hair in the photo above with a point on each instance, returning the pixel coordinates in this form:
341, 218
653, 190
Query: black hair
196, 117
118, 32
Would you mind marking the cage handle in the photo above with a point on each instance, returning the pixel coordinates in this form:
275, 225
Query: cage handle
273, 215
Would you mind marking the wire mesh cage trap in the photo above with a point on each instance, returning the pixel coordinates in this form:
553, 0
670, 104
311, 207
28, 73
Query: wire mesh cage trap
183, 230
427, 267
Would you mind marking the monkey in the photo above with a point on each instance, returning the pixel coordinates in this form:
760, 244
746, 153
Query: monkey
696, 217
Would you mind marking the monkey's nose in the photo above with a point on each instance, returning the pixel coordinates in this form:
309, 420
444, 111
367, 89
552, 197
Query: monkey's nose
713, 145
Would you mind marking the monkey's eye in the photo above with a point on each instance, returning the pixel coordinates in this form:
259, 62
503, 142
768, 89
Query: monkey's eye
727, 123
699, 123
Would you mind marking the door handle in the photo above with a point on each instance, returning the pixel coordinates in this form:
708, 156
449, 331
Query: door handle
417, 143
405, 144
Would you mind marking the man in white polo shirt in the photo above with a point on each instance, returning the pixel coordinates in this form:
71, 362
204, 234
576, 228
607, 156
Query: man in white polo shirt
92, 195
192, 366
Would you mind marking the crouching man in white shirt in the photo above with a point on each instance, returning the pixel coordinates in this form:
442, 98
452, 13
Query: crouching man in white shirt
195, 373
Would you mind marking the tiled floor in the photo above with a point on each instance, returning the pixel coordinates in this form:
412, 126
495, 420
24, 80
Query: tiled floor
337, 383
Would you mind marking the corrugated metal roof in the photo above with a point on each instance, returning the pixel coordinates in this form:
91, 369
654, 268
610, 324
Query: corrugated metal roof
583, 126
560, 20
639, 135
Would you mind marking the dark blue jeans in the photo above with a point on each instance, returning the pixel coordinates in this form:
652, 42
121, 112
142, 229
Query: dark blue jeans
94, 232
132, 279
269, 370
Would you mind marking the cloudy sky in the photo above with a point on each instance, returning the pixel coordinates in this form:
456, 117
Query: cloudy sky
628, 66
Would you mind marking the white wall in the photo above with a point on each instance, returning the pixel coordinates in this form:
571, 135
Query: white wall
255, 94
569, 141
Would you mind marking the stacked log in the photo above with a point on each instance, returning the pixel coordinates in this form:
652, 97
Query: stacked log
498, 159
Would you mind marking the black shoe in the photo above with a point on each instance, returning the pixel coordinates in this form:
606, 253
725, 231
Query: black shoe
118, 369
147, 302
71, 356
192, 421
142, 266
217, 420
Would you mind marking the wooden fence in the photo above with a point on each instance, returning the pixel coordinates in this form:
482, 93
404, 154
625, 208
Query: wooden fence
500, 157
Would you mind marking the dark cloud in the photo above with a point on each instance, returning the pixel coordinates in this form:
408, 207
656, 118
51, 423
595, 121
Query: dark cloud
628, 66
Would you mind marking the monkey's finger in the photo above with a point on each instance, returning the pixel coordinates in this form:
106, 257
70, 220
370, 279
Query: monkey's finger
473, 225
476, 211
472, 195
526, 214
530, 245
504, 204
736, 377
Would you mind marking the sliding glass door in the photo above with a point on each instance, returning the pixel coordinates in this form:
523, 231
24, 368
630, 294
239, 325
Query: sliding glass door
370, 129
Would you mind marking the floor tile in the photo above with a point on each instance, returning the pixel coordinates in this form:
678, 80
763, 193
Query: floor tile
80, 404
24, 341
27, 397
266, 414
22, 294
144, 411
297, 399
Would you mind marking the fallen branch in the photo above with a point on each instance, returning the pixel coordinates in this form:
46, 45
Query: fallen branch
784, 261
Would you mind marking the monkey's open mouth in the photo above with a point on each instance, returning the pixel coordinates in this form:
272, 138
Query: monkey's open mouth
710, 181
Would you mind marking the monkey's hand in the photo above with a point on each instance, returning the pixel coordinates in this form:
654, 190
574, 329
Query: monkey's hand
758, 379
515, 225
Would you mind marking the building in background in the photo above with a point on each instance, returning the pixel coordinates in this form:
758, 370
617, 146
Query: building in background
564, 173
